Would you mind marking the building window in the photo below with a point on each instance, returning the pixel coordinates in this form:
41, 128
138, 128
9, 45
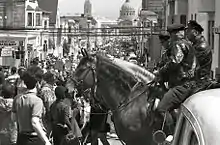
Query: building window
69, 40
195, 16
183, 19
45, 24
30, 19
38, 19
172, 20
191, 16
211, 33
69, 29
32, 1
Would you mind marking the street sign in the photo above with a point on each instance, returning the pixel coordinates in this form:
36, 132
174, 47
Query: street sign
6, 51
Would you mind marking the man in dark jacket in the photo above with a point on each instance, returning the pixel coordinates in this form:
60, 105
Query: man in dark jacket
202, 50
164, 40
180, 67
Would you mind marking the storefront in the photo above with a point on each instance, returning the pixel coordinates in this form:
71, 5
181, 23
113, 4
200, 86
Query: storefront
11, 52
16, 47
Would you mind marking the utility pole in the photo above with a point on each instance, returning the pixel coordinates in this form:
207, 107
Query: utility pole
165, 13
88, 41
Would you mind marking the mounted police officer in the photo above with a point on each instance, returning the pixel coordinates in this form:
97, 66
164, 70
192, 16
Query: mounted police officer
202, 50
180, 68
164, 40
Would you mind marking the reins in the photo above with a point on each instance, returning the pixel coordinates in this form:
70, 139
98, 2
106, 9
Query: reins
121, 105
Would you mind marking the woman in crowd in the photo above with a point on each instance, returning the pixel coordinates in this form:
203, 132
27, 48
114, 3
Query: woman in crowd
20, 87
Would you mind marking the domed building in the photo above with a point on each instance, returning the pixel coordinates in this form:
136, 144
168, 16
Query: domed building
127, 15
127, 11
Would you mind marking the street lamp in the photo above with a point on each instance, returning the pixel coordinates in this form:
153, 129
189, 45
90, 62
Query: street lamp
88, 43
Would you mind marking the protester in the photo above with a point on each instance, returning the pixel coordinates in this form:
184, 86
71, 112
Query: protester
27, 111
2, 76
46, 93
61, 118
19, 84
8, 127
13, 77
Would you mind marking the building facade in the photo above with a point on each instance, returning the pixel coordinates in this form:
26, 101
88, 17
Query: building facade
156, 6
216, 54
21, 33
177, 11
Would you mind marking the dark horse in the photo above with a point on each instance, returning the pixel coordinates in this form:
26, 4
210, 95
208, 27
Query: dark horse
120, 85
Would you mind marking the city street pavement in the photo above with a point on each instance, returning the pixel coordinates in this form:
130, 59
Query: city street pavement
112, 140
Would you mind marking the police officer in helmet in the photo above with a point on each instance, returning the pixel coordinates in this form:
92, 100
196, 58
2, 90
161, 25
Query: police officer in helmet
180, 67
202, 50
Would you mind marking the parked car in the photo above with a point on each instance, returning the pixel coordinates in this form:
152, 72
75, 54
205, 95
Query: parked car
199, 120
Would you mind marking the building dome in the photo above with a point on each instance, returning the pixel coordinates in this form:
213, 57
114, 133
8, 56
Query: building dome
127, 11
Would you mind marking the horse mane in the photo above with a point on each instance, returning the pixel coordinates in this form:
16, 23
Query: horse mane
136, 72
127, 72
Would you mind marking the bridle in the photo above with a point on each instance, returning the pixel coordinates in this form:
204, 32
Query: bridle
93, 89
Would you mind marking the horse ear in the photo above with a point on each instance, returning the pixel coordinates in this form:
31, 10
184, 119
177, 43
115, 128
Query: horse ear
84, 52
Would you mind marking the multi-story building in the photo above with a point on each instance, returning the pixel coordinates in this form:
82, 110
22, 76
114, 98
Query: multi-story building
156, 6
177, 11
216, 54
21, 31
54, 45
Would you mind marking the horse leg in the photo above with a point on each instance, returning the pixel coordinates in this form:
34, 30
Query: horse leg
102, 137
85, 139
94, 138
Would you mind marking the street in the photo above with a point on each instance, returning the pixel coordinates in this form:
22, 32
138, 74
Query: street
112, 141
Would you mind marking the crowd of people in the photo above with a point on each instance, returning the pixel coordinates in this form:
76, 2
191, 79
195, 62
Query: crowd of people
36, 108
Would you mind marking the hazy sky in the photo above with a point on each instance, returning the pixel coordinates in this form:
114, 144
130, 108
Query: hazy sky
107, 8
